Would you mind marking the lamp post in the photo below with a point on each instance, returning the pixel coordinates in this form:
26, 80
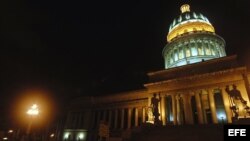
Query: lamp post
33, 112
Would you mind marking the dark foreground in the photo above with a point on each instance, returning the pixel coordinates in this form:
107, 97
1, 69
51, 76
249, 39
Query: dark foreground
178, 133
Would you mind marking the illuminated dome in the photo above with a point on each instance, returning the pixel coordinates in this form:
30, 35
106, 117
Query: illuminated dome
188, 22
191, 38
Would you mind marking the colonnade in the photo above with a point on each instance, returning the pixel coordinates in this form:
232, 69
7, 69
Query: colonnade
202, 47
183, 112
186, 107
121, 118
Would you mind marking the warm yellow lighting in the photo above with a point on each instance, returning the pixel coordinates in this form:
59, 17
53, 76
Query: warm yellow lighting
34, 106
10, 131
33, 110
185, 8
52, 135
190, 27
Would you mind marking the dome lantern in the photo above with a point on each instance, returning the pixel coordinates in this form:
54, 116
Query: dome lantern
185, 8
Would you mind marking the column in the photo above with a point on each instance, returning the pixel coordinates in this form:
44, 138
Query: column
221, 49
209, 47
116, 119
227, 105
129, 117
143, 115
74, 120
110, 116
93, 119
199, 108
203, 48
202, 107
212, 105
69, 120
187, 109
184, 53
163, 110
149, 101
80, 121
136, 117
174, 109
98, 118
104, 115
196, 47
122, 118
178, 111
178, 53
150, 115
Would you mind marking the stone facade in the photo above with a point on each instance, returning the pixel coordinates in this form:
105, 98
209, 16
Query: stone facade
191, 94
214, 89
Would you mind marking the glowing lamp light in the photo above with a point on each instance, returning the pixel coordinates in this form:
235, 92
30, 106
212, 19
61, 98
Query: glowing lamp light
171, 118
52, 135
66, 136
33, 110
5, 138
221, 116
10, 131
81, 136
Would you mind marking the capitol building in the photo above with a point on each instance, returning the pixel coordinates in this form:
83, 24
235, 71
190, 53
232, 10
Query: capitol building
200, 84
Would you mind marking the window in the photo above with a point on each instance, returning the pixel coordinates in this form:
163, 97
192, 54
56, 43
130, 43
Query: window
200, 50
175, 55
208, 51
188, 53
194, 51
181, 54
212, 51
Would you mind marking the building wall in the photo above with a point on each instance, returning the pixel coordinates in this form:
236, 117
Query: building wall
199, 98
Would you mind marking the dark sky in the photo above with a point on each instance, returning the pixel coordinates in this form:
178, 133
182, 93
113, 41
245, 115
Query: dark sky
95, 47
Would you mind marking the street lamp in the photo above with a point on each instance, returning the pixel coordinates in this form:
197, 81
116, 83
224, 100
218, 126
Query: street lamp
33, 111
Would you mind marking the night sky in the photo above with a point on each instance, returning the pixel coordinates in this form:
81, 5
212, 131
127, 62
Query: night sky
76, 48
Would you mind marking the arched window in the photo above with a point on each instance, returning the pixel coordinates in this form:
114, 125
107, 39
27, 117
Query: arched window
175, 55
194, 51
188, 53
200, 50
212, 51
208, 51
181, 56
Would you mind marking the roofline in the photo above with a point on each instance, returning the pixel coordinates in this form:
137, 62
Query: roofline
232, 57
